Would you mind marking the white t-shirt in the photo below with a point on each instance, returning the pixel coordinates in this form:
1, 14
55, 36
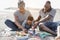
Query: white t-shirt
51, 13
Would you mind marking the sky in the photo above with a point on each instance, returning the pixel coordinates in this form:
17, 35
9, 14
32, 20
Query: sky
40, 3
29, 3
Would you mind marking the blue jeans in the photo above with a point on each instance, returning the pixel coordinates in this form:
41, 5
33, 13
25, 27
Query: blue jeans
12, 25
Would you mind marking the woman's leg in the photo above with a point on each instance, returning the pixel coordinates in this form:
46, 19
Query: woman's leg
11, 25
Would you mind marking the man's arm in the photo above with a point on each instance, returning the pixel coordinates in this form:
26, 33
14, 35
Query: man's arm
46, 18
39, 17
36, 22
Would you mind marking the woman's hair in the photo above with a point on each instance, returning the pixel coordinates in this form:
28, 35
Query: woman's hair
30, 18
21, 4
50, 7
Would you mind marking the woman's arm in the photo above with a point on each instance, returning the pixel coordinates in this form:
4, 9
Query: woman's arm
17, 23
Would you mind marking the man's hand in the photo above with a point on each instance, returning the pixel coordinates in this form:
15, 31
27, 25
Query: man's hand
35, 25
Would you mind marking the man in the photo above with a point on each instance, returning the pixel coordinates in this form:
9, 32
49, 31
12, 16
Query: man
45, 19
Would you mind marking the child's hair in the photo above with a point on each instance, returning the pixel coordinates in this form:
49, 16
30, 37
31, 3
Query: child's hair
30, 18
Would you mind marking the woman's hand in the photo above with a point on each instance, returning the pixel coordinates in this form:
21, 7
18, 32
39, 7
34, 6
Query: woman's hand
25, 30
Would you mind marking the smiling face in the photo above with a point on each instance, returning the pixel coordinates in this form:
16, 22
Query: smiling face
22, 9
29, 22
47, 5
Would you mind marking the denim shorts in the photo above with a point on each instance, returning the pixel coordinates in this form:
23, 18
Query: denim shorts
51, 25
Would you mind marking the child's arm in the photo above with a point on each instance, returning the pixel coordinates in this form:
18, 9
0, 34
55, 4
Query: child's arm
23, 24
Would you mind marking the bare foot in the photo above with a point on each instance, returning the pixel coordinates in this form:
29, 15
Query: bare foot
57, 38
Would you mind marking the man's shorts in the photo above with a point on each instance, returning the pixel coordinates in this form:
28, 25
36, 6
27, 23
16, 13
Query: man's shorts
51, 25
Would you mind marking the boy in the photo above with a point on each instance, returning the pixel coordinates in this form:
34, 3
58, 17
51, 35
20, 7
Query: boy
27, 24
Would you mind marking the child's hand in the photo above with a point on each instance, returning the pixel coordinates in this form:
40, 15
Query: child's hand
32, 28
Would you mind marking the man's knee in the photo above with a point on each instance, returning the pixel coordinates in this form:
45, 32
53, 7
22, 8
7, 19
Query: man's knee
41, 25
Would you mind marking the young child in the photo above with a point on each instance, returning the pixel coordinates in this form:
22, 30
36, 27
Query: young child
27, 24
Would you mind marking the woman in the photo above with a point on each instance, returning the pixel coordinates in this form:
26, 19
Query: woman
20, 15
